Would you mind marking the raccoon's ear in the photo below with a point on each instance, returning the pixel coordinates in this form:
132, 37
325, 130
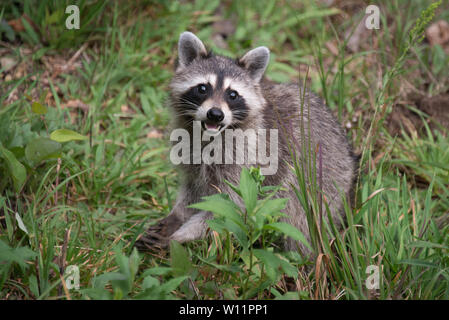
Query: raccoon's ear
189, 48
256, 61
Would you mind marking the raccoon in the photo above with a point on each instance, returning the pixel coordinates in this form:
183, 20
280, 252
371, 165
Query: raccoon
222, 93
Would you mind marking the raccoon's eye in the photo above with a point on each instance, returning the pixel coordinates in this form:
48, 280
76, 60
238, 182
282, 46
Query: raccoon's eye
233, 94
202, 89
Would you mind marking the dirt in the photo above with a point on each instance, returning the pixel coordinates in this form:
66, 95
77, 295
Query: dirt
436, 107
438, 34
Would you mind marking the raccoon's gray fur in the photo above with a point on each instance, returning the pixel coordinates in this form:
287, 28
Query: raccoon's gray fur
264, 104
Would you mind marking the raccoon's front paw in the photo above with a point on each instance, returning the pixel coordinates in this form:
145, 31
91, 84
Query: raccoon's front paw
158, 236
195, 228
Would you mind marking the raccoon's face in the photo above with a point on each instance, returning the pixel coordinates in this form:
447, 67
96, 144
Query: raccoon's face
217, 91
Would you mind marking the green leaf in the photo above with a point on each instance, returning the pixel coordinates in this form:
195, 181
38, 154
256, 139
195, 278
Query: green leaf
20, 223
19, 152
180, 261
427, 244
239, 232
134, 261
268, 208
18, 255
64, 135
270, 260
226, 268
103, 279
43, 96
34, 287
172, 284
156, 271
149, 282
97, 293
234, 188
420, 263
290, 231
16, 169
216, 225
271, 207
217, 204
41, 149
248, 188
7, 31
30, 31
288, 268
222, 207
38, 108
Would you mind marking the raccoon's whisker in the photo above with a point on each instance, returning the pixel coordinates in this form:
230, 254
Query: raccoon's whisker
236, 118
189, 119
185, 113
186, 103
186, 123
184, 99
185, 106
189, 102
239, 112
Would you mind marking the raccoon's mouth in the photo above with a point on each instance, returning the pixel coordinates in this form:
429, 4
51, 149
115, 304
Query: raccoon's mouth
212, 128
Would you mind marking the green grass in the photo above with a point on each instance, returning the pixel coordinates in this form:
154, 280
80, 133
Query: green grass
87, 208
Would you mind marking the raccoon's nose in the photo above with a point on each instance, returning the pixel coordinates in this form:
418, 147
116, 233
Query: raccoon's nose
215, 115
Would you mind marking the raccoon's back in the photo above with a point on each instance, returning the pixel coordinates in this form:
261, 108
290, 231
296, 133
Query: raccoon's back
295, 113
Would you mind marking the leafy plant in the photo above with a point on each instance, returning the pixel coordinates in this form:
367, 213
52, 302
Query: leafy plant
22, 149
254, 230
123, 281
10, 256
